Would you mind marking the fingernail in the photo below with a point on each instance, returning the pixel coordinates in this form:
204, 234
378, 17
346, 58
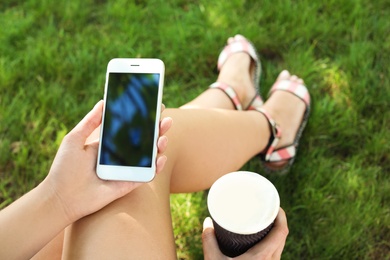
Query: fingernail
207, 223
162, 142
162, 160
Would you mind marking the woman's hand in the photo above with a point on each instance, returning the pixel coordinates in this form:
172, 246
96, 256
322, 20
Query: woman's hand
72, 177
271, 247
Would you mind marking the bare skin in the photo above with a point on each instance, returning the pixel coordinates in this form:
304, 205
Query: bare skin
138, 225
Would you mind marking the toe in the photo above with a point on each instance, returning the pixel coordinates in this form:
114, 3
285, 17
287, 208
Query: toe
239, 37
294, 78
230, 40
284, 75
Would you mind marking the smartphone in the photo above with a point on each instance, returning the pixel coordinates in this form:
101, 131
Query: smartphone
130, 120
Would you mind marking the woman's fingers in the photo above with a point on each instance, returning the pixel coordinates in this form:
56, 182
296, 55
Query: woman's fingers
165, 125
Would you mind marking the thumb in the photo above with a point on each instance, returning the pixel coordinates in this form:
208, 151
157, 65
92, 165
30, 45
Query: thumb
88, 124
210, 244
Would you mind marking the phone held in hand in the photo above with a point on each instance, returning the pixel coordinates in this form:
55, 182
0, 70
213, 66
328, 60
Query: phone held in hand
130, 121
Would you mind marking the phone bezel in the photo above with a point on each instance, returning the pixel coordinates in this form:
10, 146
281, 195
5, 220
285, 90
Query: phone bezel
131, 173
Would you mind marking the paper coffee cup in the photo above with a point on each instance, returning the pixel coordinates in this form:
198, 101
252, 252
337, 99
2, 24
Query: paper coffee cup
243, 206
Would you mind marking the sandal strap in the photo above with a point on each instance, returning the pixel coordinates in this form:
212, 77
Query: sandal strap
256, 102
283, 154
297, 89
276, 134
229, 91
242, 45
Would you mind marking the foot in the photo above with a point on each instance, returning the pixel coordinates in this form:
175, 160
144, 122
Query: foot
287, 110
238, 71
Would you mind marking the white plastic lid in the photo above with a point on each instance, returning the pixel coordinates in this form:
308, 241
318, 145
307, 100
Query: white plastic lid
243, 202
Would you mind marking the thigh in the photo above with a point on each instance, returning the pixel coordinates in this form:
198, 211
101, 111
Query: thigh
53, 250
137, 226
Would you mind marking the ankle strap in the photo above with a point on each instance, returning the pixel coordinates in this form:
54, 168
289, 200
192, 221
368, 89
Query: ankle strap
276, 134
296, 89
229, 91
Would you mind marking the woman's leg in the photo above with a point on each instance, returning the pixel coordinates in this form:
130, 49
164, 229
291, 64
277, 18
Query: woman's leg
224, 140
204, 144
208, 143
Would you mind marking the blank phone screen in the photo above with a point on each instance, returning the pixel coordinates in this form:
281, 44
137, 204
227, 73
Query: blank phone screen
129, 121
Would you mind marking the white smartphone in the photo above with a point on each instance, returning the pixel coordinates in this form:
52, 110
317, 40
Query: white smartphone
130, 121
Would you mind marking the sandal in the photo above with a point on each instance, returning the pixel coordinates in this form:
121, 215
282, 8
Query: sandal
240, 45
286, 153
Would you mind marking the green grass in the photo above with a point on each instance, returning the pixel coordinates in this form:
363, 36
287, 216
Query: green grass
53, 56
